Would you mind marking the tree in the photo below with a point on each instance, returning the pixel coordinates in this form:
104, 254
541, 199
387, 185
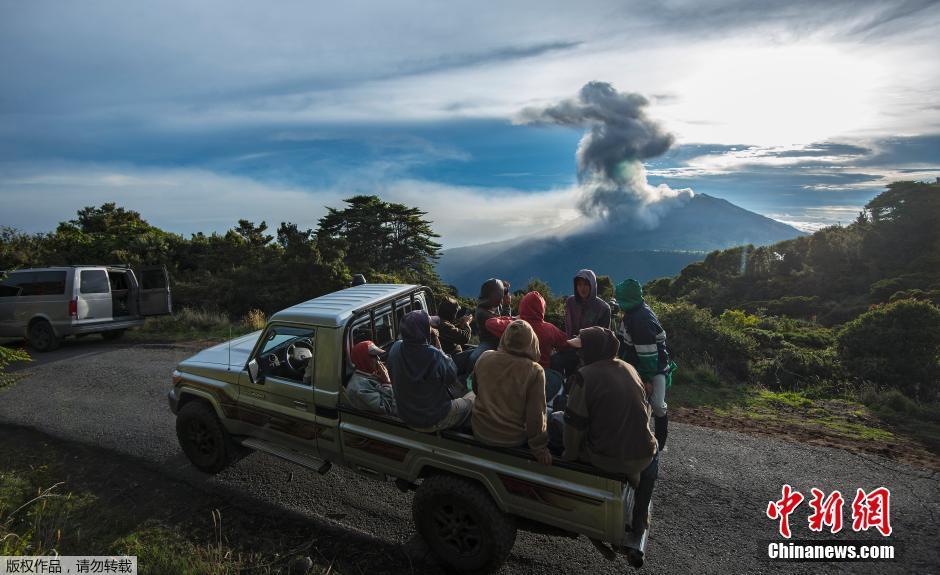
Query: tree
383, 239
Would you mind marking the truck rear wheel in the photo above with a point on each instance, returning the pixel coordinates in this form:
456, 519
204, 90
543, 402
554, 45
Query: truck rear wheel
202, 437
462, 525
41, 336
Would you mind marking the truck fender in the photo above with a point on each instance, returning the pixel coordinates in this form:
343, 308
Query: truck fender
187, 394
427, 468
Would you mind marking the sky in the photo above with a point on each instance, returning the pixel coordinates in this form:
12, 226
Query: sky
197, 114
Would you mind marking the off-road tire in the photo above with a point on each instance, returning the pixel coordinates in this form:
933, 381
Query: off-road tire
113, 334
203, 439
41, 337
462, 525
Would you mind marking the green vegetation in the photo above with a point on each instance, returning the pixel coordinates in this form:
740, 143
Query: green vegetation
814, 320
39, 517
190, 324
8, 356
246, 268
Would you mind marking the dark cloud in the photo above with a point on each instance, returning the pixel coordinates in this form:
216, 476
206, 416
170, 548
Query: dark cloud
620, 136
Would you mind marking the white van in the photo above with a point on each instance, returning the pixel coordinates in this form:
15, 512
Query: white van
46, 304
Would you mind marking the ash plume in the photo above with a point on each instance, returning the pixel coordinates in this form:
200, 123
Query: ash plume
610, 155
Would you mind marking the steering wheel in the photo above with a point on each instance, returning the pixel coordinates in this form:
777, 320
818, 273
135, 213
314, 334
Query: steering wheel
296, 354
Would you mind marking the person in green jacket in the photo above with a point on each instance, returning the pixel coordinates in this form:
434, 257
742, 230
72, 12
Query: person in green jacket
644, 347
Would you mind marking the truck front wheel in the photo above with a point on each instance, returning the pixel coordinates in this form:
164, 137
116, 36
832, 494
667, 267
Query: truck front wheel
202, 437
462, 525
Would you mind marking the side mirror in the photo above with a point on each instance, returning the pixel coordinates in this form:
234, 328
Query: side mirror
253, 372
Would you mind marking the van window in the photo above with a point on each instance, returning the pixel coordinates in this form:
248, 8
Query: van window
33, 283
94, 281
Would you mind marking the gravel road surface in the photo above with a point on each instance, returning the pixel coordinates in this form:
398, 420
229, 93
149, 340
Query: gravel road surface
709, 505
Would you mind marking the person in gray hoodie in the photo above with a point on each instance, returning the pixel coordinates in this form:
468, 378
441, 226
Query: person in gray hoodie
582, 309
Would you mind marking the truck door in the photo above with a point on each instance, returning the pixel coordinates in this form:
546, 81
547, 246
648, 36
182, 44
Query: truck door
153, 294
278, 403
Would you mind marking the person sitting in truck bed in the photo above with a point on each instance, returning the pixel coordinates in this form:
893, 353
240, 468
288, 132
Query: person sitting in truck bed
509, 410
494, 301
370, 387
422, 375
606, 420
454, 332
532, 310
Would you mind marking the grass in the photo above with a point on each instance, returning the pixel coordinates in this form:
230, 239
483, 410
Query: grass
187, 324
40, 517
873, 418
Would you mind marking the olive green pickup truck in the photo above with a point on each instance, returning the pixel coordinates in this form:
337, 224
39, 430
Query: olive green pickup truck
280, 390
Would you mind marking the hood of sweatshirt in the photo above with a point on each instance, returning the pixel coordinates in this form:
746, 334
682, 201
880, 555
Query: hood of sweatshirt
597, 344
415, 327
532, 307
448, 308
591, 278
519, 339
629, 294
491, 292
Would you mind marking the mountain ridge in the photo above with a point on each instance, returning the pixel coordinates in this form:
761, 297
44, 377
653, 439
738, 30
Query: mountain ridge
618, 249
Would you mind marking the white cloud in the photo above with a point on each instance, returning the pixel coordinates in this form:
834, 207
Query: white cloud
36, 198
817, 217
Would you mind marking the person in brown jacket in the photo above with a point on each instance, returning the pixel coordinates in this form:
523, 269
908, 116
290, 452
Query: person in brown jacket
607, 417
510, 393
453, 331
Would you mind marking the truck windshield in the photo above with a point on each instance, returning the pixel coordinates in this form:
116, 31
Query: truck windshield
283, 334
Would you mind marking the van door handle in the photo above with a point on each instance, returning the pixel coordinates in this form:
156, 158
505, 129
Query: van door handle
300, 404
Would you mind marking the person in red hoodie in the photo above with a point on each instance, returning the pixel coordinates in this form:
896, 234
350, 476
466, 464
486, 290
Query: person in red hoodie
532, 310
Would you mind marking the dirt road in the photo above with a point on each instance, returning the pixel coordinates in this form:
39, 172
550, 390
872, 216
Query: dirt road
709, 505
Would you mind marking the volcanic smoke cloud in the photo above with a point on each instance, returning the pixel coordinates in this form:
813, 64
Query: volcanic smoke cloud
610, 156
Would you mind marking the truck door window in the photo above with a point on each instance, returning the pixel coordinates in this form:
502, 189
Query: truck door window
287, 352
94, 281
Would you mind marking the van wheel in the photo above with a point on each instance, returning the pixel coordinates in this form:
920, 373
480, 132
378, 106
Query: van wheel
41, 337
113, 334
203, 439
462, 525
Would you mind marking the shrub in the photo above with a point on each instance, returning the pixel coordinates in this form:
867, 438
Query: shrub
736, 318
255, 320
798, 369
896, 346
695, 334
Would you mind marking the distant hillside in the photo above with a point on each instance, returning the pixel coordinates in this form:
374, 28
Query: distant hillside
684, 236
891, 252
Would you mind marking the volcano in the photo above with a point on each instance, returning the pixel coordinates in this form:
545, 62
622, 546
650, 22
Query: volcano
684, 235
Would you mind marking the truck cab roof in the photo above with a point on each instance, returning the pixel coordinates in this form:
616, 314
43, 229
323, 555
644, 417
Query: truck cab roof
335, 309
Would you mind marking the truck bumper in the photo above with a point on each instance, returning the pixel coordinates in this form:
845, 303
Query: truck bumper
174, 400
